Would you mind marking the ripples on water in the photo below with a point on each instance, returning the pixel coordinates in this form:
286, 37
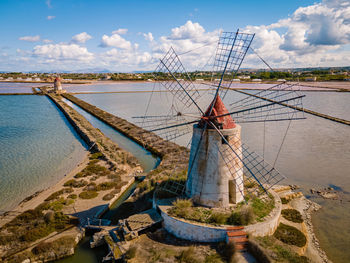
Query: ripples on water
316, 151
38, 146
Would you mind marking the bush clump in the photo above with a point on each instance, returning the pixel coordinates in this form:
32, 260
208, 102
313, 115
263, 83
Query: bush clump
106, 186
188, 256
96, 155
243, 217
88, 194
75, 183
290, 235
292, 215
284, 200
218, 218
131, 253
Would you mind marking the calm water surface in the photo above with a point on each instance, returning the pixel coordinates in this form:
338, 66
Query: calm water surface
37, 147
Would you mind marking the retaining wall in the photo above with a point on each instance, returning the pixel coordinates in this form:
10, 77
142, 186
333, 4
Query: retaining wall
192, 231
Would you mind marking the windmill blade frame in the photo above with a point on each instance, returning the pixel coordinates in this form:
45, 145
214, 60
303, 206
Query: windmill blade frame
230, 53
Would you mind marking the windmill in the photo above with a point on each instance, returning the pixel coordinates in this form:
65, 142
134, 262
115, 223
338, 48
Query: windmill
221, 170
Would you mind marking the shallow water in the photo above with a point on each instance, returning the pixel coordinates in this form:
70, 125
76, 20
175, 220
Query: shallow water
38, 147
6, 87
315, 153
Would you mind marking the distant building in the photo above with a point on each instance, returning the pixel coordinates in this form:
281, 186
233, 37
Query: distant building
28, 79
37, 79
199, 79
236, 80
244, 77
256, 80
150, 80
57, 86
310, 79
281, 80
10, 78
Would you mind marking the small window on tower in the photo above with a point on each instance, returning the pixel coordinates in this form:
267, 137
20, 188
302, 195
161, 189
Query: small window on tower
224, 141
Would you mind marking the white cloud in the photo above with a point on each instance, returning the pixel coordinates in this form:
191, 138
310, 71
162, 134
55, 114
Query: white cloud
62, 52
308, 37
48, 3
81, 38
47, 41
120, 31
188, 37
30, 38
115, 40
50, 17
149, 37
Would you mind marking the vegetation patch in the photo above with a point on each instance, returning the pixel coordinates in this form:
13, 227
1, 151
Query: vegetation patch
284, 200
279, 252
290, 235
254, 211
32, 225
88, 194
292, 215
75, 183
96, 155
188, 256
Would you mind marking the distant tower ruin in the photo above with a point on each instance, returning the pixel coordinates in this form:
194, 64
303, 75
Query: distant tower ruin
57, 85
215, 176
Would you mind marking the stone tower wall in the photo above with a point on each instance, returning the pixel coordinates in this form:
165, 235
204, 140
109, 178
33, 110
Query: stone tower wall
210, 182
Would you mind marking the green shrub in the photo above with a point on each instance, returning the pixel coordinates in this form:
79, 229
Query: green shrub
218, 218
131, 253
290, 235
88, 194
292, 215
243, 217
54, 195
108, 197
96, 155
188, 256
284, 200
262, 208
213, 258
72, 196
36, 233
106, 186
75, 183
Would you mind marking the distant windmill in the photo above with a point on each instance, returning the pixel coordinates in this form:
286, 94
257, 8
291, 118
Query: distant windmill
221, 168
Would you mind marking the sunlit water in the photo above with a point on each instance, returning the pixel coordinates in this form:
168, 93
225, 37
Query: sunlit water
14, 87
315, 153
37, 147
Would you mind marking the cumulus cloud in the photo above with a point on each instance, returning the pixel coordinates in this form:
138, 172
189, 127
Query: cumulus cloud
120, 31
30, 38
188, 37
81, 38
308, 37
149, 36
62, 52
50, 17
47, 41
115, 40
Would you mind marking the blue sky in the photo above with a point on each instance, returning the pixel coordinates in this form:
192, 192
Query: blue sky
132, 35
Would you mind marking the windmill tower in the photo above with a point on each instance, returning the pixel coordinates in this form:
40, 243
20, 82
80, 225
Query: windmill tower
222, 170
57, 85
209, 182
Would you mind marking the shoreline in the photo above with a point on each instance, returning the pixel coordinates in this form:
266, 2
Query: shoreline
39, 197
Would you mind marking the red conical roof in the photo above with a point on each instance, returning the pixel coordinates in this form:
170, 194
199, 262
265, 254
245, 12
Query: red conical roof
226, 122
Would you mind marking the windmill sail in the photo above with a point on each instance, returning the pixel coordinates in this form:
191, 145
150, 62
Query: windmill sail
230, 52
173, 76
279, 102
